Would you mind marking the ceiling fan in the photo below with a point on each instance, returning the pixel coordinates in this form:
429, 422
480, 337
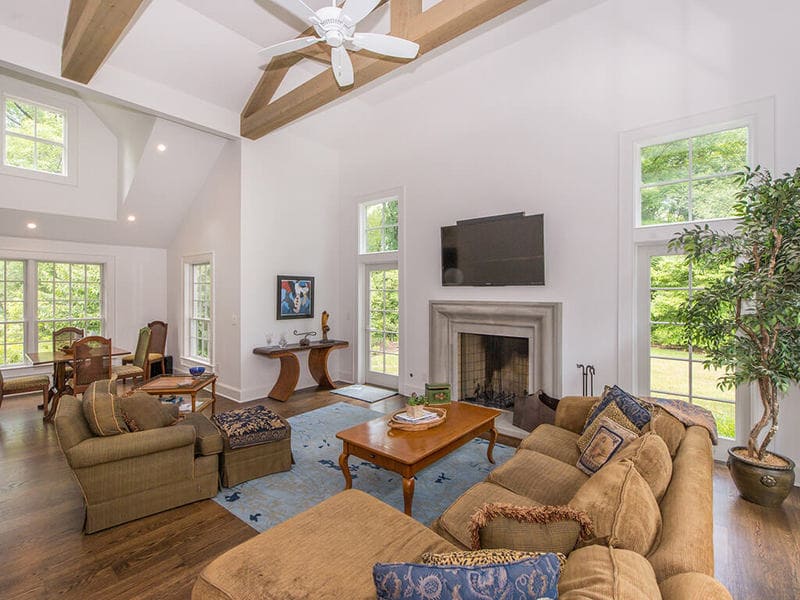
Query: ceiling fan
336, 27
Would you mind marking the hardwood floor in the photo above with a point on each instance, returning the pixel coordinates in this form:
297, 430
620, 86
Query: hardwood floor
44, 554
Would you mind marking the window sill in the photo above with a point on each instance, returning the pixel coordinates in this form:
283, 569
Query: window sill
193, 361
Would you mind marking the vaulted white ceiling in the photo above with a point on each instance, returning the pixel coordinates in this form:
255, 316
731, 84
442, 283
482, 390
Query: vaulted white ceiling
190, 59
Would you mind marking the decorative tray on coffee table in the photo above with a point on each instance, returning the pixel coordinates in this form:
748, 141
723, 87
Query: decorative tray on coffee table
394, 423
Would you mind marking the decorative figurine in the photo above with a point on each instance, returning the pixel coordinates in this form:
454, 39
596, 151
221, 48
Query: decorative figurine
325, 328
306, 334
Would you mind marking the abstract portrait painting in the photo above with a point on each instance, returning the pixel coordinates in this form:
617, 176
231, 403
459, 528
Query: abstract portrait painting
295, 297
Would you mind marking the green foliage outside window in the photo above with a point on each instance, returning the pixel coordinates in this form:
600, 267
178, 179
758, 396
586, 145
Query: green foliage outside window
693, 178
380, 227
12, 312
34, 137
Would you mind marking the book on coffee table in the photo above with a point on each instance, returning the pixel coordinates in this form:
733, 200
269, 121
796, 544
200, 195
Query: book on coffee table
426, 416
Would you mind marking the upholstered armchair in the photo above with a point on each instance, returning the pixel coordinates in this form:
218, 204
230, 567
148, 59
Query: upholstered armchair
130, 475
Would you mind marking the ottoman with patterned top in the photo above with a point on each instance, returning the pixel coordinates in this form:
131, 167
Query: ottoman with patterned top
256, 442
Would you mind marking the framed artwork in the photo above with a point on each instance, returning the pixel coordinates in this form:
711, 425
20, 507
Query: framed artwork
295, 297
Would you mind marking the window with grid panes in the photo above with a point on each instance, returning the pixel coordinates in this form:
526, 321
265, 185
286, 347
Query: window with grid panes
200, 317
12, 312
68, 295
379, 226
34, 136
692, 178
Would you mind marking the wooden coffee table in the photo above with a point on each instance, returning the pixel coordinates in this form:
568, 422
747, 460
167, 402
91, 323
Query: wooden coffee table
408, 452
183, 385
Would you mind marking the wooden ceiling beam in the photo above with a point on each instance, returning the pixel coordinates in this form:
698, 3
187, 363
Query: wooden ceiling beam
93, 28
436, 26
402, 13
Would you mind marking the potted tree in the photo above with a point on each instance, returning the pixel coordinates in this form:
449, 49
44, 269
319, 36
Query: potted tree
747, 320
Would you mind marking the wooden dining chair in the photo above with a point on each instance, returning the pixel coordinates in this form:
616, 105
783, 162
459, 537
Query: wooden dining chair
141, 362
92, 362
62, 341
158, 346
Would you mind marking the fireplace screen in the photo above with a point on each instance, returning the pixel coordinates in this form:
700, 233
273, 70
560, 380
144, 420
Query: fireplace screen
493, 369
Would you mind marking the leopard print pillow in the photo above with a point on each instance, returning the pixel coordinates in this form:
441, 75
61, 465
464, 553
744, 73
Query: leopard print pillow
475, 558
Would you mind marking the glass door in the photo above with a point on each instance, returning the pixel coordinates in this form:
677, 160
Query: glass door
383, 325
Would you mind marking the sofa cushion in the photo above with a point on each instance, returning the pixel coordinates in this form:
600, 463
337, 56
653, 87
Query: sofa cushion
650, 455
103, 411
143, 411
481, 557
208, 439
693, 586
601, 573
333, 544
621, 506
539, 477
529, 528
668, 428
455, 520
633, 410
553, 441
529, 578
608, 439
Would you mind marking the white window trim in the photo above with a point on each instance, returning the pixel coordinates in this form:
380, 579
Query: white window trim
109, 298
17, 89
634, 240
378, 258
186, 268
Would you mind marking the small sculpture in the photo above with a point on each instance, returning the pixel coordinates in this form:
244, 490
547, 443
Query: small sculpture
325, 328
306, 334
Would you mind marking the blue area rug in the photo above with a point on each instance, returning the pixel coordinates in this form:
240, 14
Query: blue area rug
316, 475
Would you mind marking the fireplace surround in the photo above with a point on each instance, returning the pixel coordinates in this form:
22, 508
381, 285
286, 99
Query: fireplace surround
538, 322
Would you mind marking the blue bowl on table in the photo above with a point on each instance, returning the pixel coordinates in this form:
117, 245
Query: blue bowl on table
196, 371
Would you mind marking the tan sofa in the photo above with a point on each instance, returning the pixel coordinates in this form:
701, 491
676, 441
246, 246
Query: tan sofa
125, 477
328, 551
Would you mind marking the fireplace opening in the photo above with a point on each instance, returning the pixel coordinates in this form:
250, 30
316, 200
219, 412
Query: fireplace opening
493, 369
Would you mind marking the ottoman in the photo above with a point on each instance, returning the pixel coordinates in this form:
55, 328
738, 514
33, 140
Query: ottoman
255, 442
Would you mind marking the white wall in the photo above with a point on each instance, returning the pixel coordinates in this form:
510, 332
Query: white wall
212, 225
136, 280
290, 192
512, 120
94, 192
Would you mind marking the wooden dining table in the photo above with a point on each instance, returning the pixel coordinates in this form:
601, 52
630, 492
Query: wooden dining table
59, 360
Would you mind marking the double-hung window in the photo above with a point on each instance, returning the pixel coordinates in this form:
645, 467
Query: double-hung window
199, 310
34, 136
40, 297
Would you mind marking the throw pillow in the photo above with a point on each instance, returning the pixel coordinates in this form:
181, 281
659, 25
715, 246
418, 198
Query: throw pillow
612, 412
650, 455
143, 411
622, 508
102, 410
608, 439
473, 558
531, 578
528, 528
629, 405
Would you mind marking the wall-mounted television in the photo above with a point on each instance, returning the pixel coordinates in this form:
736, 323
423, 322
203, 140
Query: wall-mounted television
499, 250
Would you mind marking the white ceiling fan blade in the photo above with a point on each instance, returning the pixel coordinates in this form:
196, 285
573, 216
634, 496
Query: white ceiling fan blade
290, 46
355, 10
342, 66
298, 8
388, 45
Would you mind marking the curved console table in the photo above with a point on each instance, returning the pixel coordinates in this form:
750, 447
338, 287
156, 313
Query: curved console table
290, 365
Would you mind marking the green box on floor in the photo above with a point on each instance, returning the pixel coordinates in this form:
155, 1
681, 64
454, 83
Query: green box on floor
437, 393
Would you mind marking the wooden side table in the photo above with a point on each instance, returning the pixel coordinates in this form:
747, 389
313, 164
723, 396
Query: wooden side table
290, 365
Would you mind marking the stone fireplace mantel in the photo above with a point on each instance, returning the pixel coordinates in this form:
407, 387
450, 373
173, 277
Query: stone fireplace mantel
540, 322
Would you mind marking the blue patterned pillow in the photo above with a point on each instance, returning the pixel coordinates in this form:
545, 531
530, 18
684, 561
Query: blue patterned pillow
636, 413
528, 579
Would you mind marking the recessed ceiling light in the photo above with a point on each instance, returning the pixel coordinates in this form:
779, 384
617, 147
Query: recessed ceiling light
31, 225
131, 218
161, 147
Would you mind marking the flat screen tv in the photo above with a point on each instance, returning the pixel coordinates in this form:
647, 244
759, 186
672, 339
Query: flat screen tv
499, 250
